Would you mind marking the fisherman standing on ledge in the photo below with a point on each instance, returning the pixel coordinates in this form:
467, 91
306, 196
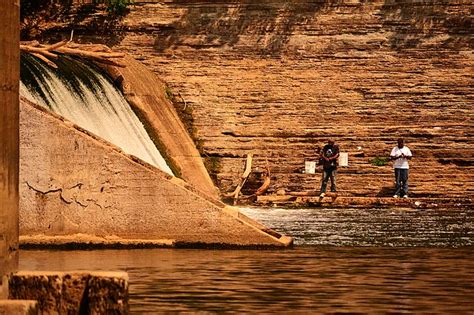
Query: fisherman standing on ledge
328, 158
400, 155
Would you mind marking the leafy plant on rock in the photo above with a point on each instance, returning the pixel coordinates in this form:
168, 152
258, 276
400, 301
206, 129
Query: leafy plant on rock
379, 161
118, 7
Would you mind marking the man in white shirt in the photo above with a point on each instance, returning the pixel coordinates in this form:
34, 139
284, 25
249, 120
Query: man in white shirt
400, 155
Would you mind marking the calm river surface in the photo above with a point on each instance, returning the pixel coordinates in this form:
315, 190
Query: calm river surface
316, 276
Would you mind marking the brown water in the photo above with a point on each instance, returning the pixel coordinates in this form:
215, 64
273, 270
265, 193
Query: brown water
312, 279
308, 278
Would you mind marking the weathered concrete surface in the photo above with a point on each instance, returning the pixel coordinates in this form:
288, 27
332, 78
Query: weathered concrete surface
75, 292
145, 92
87, 241
9, 134
277, 78
72, 182
18, 307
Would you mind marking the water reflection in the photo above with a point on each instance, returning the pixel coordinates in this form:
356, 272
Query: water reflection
433, 278
308, 279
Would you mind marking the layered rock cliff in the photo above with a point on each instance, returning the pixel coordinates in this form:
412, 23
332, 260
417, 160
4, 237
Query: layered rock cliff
278, 78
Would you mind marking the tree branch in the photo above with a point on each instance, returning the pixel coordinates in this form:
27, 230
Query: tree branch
47, 52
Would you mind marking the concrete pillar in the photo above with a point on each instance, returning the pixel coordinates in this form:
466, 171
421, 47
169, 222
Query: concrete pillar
9, 135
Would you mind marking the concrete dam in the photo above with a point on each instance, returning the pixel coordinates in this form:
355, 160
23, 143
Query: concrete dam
95, 106
276, 80
91, 174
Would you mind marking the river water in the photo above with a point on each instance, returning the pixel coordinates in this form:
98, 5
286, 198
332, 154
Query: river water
323, 273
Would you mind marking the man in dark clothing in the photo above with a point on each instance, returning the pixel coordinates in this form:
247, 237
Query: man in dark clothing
328, 158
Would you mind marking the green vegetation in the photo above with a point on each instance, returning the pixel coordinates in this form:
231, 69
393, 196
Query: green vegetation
36, 16
379, 161
118, 7
115, 7
169, 95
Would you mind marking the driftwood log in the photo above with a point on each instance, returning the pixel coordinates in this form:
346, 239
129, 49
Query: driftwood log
243, 178
48, 53
261, 190
266, 183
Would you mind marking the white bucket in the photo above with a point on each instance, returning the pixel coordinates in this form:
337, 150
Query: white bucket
309, 167
343, 159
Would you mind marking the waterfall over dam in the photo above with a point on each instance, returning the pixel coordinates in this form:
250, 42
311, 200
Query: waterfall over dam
80, 187
83, 95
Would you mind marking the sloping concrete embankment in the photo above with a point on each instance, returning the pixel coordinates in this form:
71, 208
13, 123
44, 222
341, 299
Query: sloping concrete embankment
145, 92
78, 189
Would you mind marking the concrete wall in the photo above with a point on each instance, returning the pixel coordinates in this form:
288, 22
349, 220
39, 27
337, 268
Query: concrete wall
72, 183
277, 78
75, 292
19, 307
9, 134
145, 92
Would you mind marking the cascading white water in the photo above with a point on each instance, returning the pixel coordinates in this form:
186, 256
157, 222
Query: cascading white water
84, 96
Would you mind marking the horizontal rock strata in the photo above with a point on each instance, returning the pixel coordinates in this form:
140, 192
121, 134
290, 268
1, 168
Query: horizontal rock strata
146, 94
277, 79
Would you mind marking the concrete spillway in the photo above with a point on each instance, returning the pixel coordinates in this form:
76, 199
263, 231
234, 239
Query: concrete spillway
77, 187
86, 97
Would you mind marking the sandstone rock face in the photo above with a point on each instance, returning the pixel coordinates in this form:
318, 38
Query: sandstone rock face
278, 78
72, 182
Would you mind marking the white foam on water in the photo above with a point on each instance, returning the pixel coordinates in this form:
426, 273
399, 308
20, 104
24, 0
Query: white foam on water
102, 110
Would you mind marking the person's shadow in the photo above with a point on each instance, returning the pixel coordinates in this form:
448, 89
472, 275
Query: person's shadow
385, 192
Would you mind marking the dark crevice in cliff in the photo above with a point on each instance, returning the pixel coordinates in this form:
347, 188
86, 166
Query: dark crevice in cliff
413, 23
219, 27
457, 162
278, 78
